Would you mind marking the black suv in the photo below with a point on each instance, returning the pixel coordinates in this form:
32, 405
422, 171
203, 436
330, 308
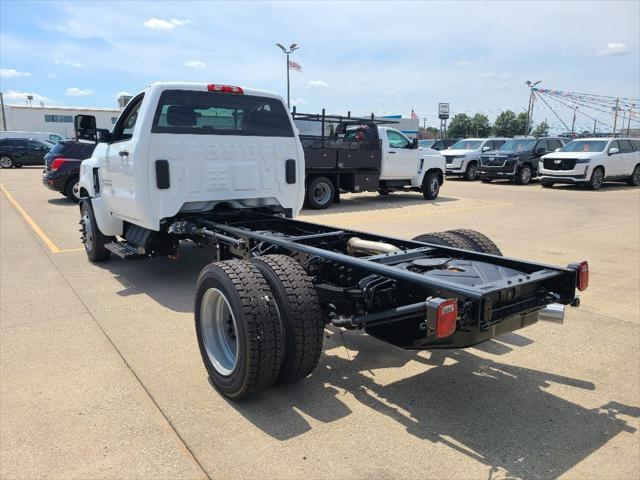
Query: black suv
517, 159
16, 152
62, 167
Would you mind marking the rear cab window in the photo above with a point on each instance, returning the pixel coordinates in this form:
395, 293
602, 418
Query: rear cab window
212, 113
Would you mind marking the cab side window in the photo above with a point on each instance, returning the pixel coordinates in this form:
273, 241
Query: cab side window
396, 140
625, 146
497, 144
127, 121
554, 144
541, 148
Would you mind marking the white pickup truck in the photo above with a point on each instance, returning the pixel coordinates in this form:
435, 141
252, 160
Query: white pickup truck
365, 154
223, 167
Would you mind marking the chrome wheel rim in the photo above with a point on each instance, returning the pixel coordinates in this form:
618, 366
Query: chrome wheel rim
5, 162
473, 172
218, 330
597, 179
76, 190
526, 175
87, 232
435, 185
636, 175
321, 193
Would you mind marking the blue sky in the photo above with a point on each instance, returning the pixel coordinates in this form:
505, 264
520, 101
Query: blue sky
386, 57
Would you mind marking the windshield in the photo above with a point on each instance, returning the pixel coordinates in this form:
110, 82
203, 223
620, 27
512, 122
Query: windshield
466, 145
519, 144
426, 143
585, 146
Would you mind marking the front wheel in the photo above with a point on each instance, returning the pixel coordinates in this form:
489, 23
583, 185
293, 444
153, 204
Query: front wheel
523, 177
72, 189
430, 186
486, 179
93, 239
6, 161
320, 193
634, 180
596, 180
471, 173
238, 329
546, 184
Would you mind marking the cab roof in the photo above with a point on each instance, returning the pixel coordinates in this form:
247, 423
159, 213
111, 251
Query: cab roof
203, 87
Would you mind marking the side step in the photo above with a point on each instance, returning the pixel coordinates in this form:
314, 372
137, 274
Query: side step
126, 251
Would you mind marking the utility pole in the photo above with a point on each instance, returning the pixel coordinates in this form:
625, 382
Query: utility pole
573, 123
292, 48
594, 127
615, 118
531, 86
4, 116
628, 123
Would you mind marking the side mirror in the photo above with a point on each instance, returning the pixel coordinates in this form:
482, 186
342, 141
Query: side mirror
104, 135
614, 150
414, 144
486, 148
85, 128
558, 149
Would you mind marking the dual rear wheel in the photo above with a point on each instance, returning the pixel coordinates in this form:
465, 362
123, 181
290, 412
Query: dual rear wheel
258, 323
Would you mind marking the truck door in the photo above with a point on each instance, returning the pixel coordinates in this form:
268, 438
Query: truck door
400, 159
117, 167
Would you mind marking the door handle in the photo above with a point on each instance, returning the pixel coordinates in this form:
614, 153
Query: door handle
123, 153
393, 152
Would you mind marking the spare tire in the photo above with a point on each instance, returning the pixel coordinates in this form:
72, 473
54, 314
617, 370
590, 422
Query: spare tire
478, 241
446, 239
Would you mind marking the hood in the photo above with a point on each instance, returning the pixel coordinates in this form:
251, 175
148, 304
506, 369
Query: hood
572, 155
505, 153
457, 152
425, 152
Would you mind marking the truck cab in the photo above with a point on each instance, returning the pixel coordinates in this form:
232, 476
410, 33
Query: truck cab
517, 159
189, 147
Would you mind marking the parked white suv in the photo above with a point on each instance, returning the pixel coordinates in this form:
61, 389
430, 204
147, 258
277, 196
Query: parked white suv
591, 161
463, 156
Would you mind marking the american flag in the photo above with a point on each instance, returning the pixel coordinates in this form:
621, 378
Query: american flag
413, 115
295, 66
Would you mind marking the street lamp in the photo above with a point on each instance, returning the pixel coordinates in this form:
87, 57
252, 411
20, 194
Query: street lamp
531, 86
292, 48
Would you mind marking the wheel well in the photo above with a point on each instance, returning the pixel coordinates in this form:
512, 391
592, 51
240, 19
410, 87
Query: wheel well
331, 178
601, 167
83, 192
438, 172
70, 179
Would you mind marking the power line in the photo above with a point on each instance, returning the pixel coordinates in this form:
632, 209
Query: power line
580, 111
551, 108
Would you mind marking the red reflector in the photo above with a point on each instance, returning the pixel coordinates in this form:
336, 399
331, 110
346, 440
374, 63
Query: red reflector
57, 163
212, 87
583, 276
446, 318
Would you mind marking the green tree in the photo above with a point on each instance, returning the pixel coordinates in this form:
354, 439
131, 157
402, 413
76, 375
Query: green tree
520, 125
459, 126
429, 132
541, 130
480, 126
504, 124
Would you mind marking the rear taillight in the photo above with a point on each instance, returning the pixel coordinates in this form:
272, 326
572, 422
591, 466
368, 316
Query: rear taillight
446, 318
57, 163
224, 88
582, 275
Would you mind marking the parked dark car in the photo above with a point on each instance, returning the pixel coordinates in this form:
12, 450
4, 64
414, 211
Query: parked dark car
444, 143
517, 159
16, 152
62, 167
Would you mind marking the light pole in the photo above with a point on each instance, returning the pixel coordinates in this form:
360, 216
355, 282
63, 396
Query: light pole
530, 84
292, 48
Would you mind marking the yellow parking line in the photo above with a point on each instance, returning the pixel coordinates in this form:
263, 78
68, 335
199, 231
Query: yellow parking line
36, 228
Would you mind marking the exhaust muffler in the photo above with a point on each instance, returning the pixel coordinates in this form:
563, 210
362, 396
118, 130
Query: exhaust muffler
554, 313
369, 247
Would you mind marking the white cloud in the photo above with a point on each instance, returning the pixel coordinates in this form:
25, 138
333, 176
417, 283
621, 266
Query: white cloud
194, 64
503, 86
486, 75
318, 84
160, 24
390, 92
68, 63
15, 95
12, 72
462, 62
77, 92
295, 102
613, 49
52, 75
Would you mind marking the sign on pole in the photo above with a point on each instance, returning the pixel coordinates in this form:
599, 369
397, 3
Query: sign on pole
443, 111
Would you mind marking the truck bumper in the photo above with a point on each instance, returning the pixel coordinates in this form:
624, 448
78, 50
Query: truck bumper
487, 173
53, 182
555, 176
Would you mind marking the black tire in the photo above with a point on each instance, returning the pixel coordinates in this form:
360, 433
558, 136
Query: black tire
255, 327
634, 179
471, 173
300, 315
486, 179
72, 190
321, 193
479, 241
524, 174
596, 180
18, 165
385, 192
446, 239
6, 161
92, 238
430, 186
546, 184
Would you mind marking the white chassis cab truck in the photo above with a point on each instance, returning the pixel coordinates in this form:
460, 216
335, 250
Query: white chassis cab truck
223, 167
365, 155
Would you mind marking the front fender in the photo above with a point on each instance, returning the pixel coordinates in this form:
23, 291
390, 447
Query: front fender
86, 176
427, 162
